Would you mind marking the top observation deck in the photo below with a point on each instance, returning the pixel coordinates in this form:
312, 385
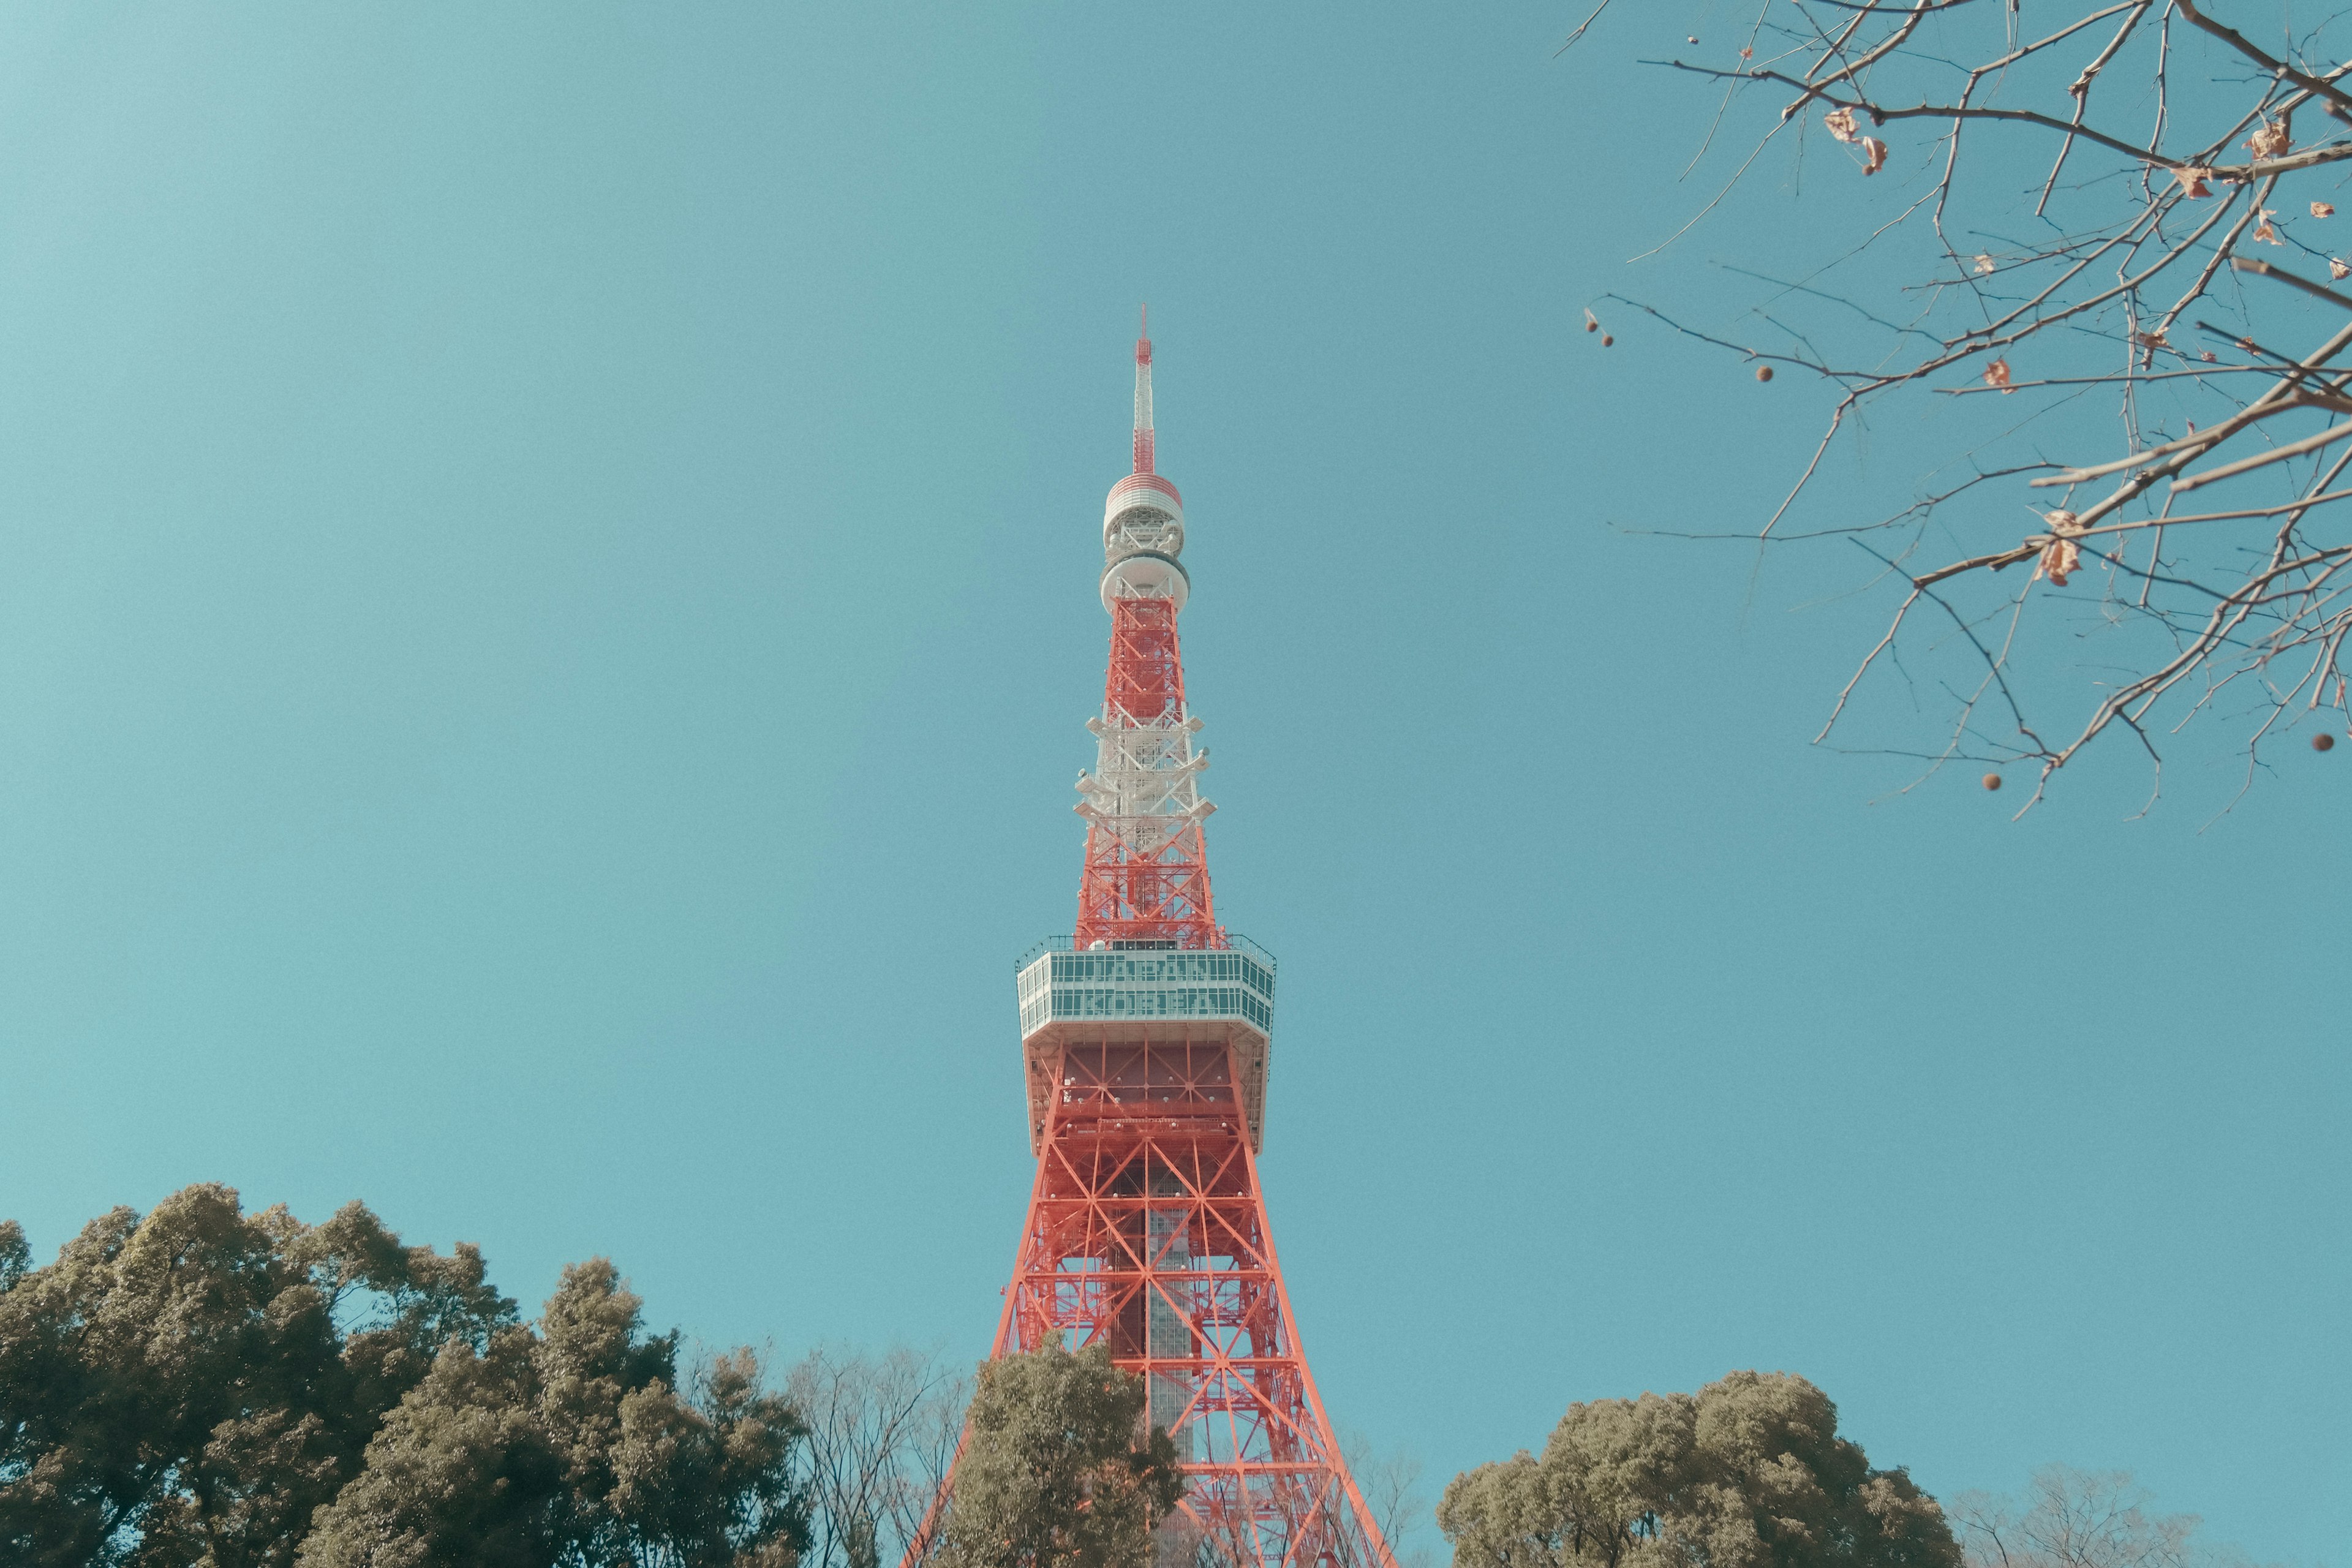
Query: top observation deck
1147, 990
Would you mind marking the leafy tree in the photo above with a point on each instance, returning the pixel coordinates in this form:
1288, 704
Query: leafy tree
573, 1445
1059, 1468
15, 1258
212, 1389
1747, 1473
461, 1470
185, 1388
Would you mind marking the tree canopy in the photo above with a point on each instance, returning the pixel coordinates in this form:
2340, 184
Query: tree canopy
200, 1387
1059, 1468
1747, 1473
204, 1387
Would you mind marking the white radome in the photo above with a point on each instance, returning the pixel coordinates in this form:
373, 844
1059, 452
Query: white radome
1143, 535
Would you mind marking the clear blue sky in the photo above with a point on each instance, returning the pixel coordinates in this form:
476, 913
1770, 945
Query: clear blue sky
547, 602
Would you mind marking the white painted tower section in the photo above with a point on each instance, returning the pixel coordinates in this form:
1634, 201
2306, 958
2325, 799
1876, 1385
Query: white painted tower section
1143, 785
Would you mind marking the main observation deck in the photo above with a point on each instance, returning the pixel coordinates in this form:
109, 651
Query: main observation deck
1139, 990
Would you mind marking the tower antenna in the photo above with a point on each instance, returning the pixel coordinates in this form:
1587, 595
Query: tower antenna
1143, 395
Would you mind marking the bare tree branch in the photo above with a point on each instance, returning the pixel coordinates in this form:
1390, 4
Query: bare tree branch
2252, 599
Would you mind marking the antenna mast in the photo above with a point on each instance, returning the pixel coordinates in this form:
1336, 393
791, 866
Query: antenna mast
1143, 395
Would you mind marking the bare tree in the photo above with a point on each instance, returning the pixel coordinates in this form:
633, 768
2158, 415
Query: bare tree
2080, 1518
1389, 1484
882, 1432
2098, 246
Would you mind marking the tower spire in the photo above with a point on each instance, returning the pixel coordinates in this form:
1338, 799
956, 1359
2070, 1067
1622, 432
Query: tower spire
1143, 394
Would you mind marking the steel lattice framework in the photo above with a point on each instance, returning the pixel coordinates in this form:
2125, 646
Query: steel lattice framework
1146, 1037
1146, 873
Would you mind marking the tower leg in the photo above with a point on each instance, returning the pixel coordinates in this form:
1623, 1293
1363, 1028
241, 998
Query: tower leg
1147, 1231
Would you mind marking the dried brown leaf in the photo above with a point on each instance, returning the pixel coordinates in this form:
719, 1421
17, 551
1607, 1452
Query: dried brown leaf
2062, 557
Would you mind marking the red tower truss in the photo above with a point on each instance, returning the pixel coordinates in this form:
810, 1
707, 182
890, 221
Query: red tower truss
1146, 1037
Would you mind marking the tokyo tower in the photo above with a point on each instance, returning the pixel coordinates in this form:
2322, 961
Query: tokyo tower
1146, 1036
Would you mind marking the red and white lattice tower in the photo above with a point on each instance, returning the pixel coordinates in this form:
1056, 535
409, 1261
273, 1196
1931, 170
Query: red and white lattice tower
1146, 1037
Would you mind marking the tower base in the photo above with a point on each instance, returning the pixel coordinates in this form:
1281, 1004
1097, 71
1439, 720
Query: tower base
1146, 1231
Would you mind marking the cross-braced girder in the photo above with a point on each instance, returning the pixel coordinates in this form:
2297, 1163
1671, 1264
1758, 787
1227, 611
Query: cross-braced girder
1147, 868
1147, 1233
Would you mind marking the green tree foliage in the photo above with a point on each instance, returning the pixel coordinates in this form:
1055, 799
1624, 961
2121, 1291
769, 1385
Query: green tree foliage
186, 1387
1747, 1473
573, 1445
15, 1258
1059, 1469
204, 1388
